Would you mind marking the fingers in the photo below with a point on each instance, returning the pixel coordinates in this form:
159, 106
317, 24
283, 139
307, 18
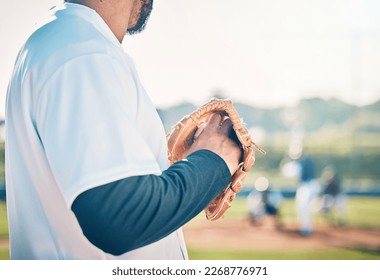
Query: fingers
218, 124
226, 127
211, 123
214, 121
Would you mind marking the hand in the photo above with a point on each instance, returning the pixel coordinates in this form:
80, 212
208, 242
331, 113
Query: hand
214, 137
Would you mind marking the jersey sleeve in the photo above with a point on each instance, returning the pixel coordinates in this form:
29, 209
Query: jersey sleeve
85, 117
136, 211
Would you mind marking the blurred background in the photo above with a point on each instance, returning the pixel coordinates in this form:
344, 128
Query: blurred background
304, 76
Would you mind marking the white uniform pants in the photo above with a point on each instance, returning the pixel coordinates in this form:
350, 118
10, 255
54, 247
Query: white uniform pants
305, 195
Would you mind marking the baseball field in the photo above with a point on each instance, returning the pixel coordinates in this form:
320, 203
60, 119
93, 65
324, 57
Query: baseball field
234, 238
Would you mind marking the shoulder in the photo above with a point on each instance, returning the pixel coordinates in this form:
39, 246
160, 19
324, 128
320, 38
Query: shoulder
60, 41
65, 38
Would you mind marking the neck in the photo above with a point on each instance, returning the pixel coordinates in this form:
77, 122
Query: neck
115, 13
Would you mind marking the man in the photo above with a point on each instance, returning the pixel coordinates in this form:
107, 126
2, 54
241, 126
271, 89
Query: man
86, 155
333, 199
306, 193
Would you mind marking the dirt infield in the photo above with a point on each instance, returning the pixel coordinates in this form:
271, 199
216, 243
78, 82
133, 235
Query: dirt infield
240, 234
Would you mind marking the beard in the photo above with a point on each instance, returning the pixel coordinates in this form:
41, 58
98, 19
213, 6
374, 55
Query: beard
142, 17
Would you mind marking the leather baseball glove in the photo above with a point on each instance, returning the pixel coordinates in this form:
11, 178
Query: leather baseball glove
189, 127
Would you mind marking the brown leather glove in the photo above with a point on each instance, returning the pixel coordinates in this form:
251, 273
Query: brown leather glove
189, 127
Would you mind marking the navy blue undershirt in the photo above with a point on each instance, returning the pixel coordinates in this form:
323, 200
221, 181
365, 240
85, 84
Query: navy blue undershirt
133, 212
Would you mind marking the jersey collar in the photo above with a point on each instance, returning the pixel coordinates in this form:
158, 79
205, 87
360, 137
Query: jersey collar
89, 15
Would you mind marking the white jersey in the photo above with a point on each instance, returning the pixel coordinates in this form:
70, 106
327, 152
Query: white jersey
77, 117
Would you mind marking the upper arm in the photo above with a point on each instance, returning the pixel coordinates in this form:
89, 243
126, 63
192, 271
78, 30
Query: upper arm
85, 116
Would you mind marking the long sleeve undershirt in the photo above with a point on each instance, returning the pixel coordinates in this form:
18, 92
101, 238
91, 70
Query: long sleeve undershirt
133, 212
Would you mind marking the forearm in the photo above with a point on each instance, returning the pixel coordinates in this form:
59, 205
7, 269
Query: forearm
136, 211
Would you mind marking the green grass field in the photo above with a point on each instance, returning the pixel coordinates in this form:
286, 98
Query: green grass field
4, 250
363, 212
331, 254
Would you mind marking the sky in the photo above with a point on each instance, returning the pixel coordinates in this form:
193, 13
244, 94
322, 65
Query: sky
266, 53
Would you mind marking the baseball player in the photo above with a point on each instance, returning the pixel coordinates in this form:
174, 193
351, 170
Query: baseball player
306, 194
87, 171
333, 199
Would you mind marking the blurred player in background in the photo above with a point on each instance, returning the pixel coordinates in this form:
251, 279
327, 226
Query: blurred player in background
297, 164
333, 199
306, 194
264, 203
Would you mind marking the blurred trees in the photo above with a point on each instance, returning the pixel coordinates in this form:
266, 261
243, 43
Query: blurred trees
334, 133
